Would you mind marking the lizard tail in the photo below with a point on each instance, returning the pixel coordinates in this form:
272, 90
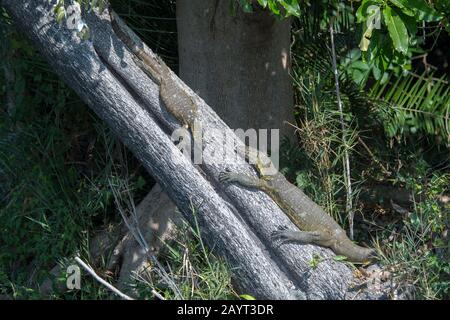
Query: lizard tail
355, 253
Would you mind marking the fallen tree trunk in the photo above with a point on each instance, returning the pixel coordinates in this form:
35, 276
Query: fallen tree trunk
236, 223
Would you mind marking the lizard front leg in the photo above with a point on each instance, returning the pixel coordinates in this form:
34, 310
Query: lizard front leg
244, 180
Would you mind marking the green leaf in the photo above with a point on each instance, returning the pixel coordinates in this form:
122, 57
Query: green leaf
359, 71
397, 30
273, 7
291, 6
424, 11
246, 6
339, 258
404, 6
263, 3
60, 14
398, 3
376, 72
410, 23
247, 297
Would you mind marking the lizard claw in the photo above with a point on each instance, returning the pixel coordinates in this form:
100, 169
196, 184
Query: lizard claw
226, 176
279, 234
282, 235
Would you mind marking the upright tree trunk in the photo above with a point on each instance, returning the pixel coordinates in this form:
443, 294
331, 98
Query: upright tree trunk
238, 63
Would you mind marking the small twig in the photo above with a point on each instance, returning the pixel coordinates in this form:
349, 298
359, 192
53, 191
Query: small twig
423, 31
155, 293
103, 282
348, 182
420, 56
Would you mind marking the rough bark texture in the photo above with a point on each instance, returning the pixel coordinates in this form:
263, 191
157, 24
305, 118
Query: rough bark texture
239, 64
96, 70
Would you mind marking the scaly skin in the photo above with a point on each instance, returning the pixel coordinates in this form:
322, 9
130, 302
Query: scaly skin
317, 227
177, 101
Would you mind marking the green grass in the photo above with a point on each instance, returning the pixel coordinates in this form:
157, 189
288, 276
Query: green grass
196, 272
418, 251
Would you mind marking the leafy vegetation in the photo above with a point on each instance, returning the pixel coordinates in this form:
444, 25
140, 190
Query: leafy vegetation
397, 137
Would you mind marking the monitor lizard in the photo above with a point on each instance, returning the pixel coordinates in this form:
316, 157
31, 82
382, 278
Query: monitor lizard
317, 226
180, 103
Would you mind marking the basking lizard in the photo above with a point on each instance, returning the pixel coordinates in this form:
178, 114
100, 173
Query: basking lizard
177, 100
317, 227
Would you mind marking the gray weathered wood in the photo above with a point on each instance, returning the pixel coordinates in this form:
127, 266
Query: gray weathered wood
235, 222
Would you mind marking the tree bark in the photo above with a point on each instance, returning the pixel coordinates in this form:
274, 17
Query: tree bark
236, 223
239, 64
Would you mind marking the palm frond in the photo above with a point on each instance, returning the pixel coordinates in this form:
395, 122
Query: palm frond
414, 104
